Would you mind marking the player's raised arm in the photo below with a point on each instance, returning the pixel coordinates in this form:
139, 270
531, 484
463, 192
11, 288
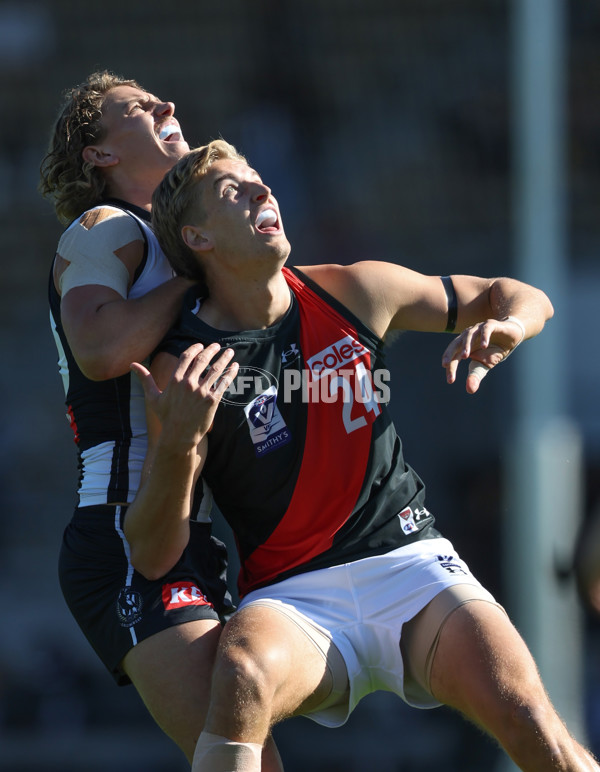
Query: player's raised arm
182, 396
492, 315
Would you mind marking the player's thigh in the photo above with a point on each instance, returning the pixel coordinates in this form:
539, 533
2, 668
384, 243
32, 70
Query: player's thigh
276, 653
172, 671
482, 666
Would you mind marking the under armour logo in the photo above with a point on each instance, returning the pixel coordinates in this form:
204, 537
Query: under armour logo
292, 353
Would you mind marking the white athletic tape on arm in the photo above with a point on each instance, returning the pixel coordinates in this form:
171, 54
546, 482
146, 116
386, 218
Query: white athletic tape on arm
91, 252
519, 323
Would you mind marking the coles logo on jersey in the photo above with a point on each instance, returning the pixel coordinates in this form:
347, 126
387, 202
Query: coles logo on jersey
181, 594
344, 351
268, 430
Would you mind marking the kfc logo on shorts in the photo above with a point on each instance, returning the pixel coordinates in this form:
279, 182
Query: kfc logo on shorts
337, 355
407, 520
180, 594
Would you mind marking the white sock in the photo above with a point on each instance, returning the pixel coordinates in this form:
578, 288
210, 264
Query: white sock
218, 754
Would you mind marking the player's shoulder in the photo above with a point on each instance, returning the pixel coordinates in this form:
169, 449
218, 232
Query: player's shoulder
372, 289
109, 216
361, 276
103, 226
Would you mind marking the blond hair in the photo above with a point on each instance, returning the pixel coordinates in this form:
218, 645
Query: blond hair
178, 196
72, 184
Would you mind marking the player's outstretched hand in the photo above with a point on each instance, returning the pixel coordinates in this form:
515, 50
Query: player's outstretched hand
187, 405
486, 344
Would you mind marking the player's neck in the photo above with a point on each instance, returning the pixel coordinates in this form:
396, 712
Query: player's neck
135, 196
250, 305
134, 191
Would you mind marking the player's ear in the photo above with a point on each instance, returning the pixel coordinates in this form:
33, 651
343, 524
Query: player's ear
93, 154
197, 240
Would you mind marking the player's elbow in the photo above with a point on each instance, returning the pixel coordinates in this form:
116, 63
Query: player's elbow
150, 566
102, 367
151, 574
153, 558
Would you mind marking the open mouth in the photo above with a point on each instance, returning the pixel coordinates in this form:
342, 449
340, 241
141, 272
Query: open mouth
267, 221
170, 133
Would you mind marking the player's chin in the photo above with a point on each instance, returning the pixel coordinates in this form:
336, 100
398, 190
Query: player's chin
278, 247
175, 150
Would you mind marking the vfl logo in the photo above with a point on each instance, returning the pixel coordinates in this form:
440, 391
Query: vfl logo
333, 357
407, 520
182, 594
129, 607
268, 430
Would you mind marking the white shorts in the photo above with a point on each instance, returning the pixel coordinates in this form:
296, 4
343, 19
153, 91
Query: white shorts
360, 607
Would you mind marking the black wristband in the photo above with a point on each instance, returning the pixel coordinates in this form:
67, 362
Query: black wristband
452, 303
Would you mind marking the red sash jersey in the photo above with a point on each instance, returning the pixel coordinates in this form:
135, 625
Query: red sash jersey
304, 463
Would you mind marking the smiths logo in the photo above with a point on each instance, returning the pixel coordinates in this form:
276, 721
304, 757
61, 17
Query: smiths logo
268, 430
182, 594
337, 355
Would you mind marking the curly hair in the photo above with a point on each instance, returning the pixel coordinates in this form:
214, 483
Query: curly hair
177, 196
72, 184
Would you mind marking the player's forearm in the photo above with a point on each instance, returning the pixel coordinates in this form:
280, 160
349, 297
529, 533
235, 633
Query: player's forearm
157, 522
126, 331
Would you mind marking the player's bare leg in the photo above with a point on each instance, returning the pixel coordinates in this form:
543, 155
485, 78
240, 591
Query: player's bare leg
483, 668
172, 673
267, 670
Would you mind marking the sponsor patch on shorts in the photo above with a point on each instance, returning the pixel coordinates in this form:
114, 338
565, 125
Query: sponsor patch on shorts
180, 594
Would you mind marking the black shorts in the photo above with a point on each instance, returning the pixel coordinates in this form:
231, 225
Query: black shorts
115, 606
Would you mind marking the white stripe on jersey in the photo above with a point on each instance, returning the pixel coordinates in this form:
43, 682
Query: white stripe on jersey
63, 368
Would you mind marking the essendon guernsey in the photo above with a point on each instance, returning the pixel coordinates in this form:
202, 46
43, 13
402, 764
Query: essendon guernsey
304, 461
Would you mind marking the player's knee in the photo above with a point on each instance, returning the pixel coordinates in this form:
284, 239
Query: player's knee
248, 673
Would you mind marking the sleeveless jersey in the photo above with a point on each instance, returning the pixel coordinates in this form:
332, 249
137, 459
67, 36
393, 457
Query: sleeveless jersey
108, 417
304, 461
